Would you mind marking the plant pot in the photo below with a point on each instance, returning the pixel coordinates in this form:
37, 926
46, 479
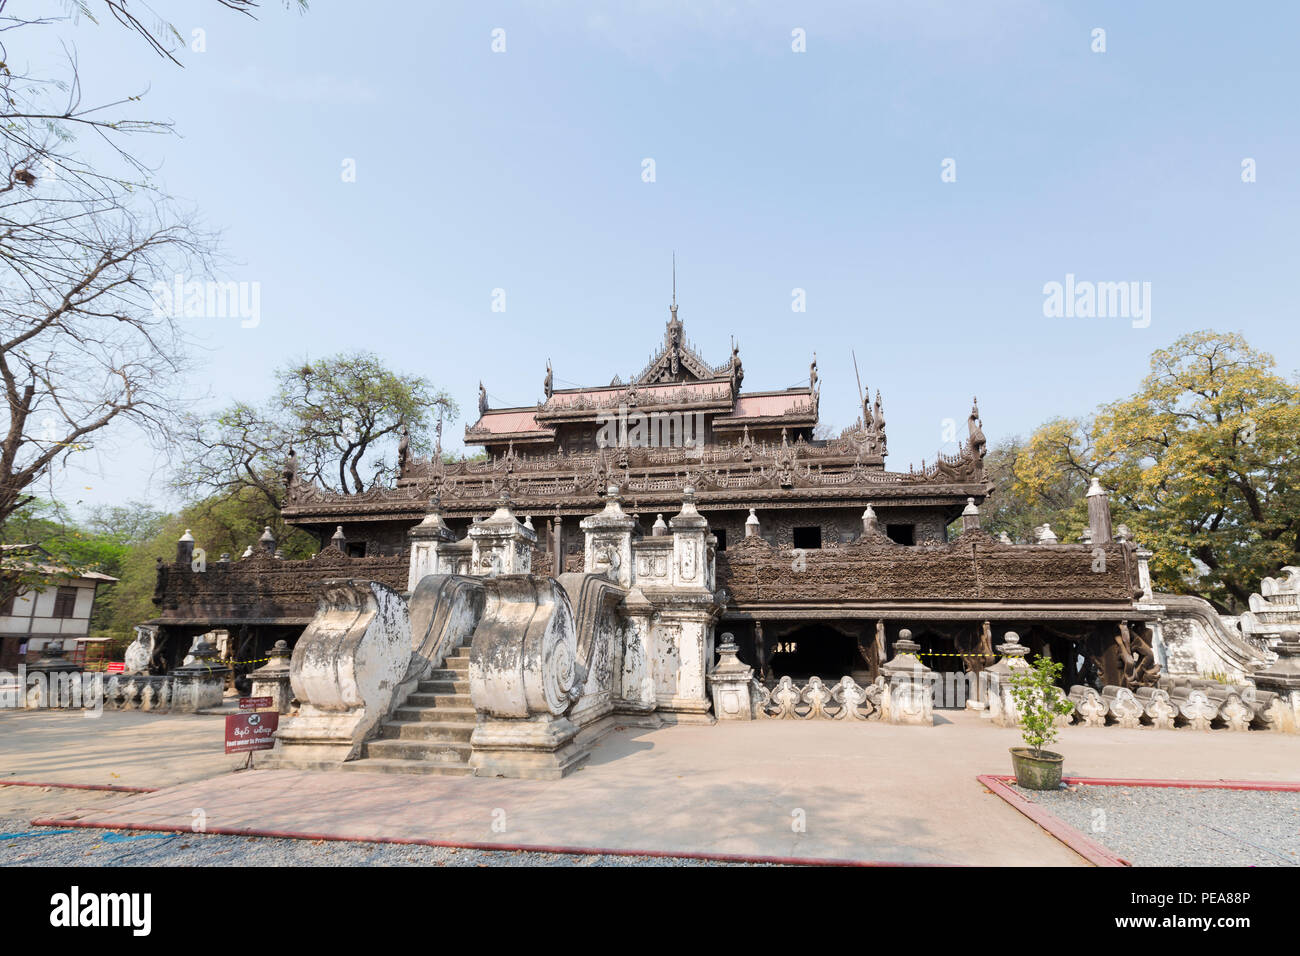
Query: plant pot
1037, 772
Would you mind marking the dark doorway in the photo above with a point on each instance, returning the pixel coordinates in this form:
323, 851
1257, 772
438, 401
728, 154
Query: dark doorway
809, 538
901, 533
814, 650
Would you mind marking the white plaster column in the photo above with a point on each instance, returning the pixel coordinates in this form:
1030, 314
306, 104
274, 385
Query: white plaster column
501, 545
425, 539
683, 637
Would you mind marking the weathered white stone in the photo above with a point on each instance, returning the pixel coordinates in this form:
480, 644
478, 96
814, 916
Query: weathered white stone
344, 671
729, 683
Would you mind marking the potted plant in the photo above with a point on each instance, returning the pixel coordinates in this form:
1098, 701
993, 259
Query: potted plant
1039, 703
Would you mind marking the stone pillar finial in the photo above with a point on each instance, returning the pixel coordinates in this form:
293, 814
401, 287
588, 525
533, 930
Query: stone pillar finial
185, 548
267, 540
970, 517
870, 523
660, 527
1098, 513
751, 525
608, 534
1143, 556
338, 540
1011, 646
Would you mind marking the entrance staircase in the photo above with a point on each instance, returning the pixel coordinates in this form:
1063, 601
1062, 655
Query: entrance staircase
430, 732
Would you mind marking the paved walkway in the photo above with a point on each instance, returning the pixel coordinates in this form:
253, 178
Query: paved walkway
776, 788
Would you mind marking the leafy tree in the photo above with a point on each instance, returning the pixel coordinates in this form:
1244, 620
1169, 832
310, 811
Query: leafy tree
346, 407
1017, 506
1203, 463
220, 524
335, 413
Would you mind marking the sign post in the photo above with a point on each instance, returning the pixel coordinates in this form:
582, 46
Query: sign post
253, 728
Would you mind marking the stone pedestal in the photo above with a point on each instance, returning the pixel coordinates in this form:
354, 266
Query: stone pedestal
908, 696
272, 678
609, 541
1283, 679
542, 747
1001, 704
501, 545
637, 693
426, 538
729, 684
53, 680
200, 684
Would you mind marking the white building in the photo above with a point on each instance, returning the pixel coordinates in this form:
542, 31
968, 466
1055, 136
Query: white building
58, 608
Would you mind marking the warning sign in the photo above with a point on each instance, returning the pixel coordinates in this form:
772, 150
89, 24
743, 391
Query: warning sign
248, 732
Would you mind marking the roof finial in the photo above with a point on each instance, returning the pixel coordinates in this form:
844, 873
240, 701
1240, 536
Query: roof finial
672, 309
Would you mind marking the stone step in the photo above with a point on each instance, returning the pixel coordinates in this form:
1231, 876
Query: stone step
446, 673
384, 765
443, 687
441, 711
428, 730
421, 699
432, 751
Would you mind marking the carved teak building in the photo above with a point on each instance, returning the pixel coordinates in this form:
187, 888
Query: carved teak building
822, 554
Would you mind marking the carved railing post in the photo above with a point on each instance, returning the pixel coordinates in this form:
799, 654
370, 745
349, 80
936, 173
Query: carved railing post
729, 683
425, 540
608, 549
501, 545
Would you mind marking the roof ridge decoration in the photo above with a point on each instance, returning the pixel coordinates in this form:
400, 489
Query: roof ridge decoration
677, 355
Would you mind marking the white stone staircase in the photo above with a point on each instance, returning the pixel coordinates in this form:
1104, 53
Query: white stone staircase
430, 732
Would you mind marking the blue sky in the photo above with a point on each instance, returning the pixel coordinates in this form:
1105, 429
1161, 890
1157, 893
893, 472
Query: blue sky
774, 170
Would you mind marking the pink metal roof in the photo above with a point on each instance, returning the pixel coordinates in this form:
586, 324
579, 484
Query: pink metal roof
762, 406
501, 423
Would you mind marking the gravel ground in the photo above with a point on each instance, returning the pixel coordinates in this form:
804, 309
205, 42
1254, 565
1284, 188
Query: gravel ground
22, 844
1173, 826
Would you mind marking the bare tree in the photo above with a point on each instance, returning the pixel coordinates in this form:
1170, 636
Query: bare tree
85, 240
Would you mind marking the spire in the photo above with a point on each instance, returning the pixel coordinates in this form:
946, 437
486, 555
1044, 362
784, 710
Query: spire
673, 308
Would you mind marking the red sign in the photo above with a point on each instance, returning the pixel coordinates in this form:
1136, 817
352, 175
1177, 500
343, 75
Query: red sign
115, 667
247, 732
254, 703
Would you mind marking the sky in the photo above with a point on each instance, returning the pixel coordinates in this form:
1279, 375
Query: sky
921, 171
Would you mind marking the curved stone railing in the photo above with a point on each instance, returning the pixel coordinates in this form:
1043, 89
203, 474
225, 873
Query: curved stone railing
1198, 704
1215, 648
845, 700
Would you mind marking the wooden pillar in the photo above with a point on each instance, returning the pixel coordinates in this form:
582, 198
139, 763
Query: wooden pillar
557, 546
